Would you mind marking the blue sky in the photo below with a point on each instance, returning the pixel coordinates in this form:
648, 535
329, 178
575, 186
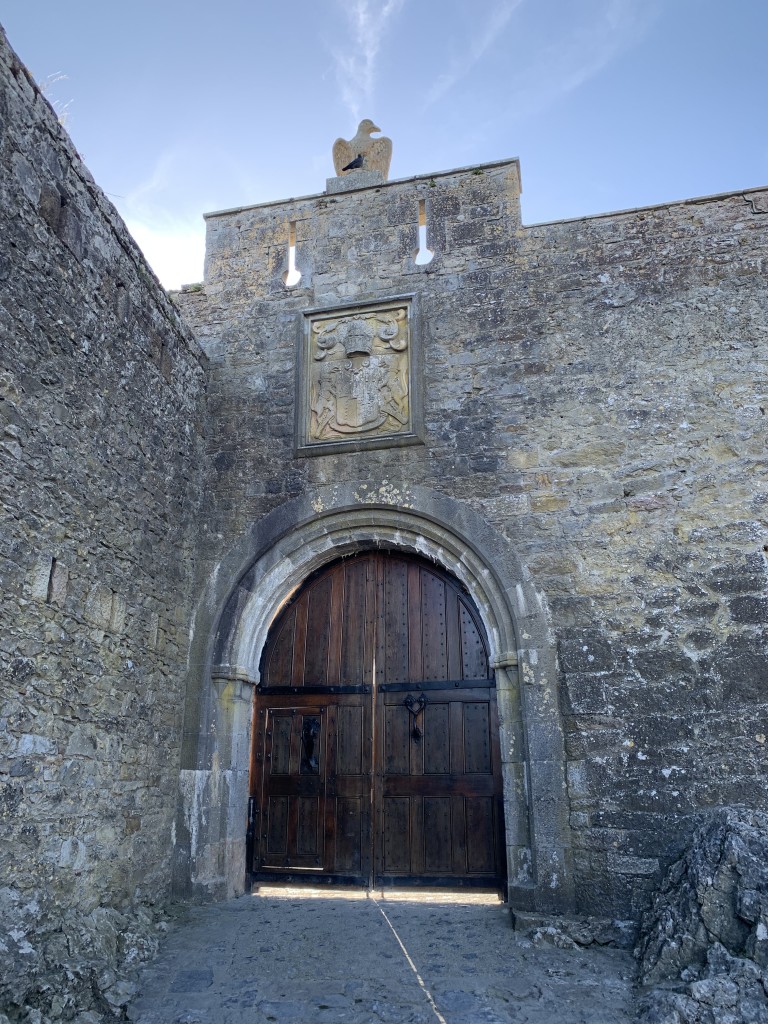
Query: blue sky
179, 108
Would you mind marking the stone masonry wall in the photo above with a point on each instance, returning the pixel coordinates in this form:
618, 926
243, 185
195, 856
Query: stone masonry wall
596, 391
101, 399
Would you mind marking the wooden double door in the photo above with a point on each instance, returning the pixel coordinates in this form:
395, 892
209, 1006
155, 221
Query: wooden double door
375, 753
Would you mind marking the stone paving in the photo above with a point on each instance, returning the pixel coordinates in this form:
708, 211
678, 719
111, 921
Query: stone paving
300, 957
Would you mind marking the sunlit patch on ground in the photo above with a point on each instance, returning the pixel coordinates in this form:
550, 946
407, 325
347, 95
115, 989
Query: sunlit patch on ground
449, 896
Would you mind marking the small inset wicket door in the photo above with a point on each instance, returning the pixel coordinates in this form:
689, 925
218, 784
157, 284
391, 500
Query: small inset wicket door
375, 753
311, 811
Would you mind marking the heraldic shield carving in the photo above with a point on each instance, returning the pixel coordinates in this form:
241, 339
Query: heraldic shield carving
357, 376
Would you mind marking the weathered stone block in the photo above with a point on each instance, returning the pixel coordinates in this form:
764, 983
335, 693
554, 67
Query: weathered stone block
750, 610
742, 664
665, 664
585, 651
354, 180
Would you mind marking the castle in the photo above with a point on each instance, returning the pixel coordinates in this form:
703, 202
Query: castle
415, 546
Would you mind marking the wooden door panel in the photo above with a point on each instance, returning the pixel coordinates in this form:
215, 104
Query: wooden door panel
349, 741
438, 785
477, 738
277, 826
393, 642
312, 785
319, 634
396, 724
474, 654
348, 821
350, 835
396, 835
417, 859
281, 649
393, 639
308, 841
280, 752
481, 834
437, 754
453, 792
459, 837
433, 632
299, 644
356, 654
438, 859
417, 621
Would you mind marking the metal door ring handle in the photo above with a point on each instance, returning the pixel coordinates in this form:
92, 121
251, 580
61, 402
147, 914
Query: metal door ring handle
415, 705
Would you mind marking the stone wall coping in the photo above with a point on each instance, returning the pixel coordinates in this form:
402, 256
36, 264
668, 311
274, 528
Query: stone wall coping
715, 197
508, 162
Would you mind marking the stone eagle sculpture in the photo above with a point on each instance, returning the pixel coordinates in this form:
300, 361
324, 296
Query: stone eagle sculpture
363, 152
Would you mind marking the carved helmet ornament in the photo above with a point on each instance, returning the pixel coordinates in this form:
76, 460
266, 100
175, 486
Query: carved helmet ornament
362, 153
356, 335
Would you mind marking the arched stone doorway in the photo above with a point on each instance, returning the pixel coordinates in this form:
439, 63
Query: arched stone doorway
260, 574
375, 737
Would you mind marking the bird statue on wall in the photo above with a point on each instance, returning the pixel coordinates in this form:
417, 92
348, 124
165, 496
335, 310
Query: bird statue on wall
363, 152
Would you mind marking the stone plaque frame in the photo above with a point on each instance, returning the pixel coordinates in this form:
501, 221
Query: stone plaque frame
359, 379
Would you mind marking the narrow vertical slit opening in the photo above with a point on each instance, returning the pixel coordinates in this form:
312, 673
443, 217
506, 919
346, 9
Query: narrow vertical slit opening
292, 276
52, 573
423, 254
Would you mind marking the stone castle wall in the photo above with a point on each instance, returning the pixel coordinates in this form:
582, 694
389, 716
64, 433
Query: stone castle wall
590, 399
102, 456
595, 392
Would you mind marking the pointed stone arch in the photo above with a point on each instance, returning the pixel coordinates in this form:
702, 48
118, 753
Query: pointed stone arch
254, 580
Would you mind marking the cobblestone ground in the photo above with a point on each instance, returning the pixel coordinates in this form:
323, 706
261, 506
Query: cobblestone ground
289, 957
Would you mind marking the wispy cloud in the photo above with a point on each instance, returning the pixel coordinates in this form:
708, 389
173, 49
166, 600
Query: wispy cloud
488, 34
578, 53
356, 65
545, 53
617, 25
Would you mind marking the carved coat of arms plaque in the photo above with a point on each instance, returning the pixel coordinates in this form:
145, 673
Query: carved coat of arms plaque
357, 376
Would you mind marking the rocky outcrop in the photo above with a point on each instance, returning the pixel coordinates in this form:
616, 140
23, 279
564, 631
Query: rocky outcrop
704, 943
574, 932
68, 965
